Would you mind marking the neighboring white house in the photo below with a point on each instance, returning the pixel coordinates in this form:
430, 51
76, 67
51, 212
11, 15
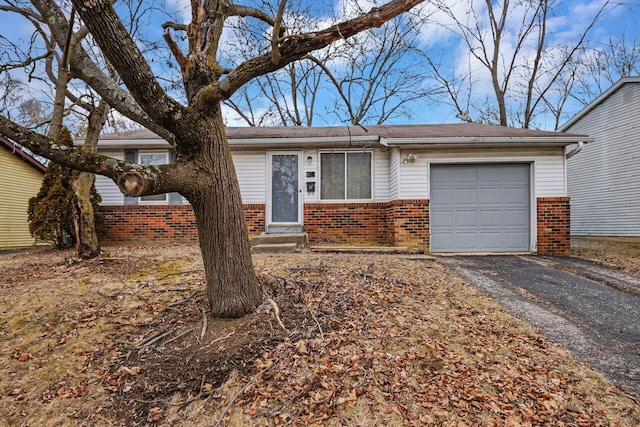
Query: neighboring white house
445, 188
604, 179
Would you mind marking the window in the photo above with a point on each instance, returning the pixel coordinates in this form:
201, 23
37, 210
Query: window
153, 159
345, 176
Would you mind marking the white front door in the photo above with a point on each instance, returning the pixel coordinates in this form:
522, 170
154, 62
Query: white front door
284, 195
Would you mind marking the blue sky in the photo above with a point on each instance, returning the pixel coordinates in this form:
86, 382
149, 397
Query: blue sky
442, 45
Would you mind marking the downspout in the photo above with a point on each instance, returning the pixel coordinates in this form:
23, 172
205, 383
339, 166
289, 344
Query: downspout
575, 151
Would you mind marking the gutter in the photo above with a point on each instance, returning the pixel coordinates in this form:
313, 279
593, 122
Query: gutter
575, 150
487, 141
335, 141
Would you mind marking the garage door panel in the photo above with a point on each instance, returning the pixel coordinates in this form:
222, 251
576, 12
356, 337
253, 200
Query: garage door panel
486, 175
444, 218
464, 176
489, 196
465, 196
465, 218
516, 218
466, 241
513, 241
515, 196
490, 218
491, 241
444, 195
480, 208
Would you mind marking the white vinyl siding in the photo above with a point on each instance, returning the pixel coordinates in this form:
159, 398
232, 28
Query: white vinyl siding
604, 178
251, 168
381, 176
548, 167
394, 171
107, 189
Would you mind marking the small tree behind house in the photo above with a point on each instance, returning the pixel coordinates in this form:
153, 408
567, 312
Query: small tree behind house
51, 212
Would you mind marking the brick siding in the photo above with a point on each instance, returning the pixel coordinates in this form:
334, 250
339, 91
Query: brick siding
554, 226
409, 223
346, 223
164, 223
399, 223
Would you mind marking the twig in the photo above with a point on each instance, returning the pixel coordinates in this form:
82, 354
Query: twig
173, 304
204, 325
184, 402
218, 339
276, 311
251, 381
153, 339
176, 337
180, 273
157, 291
317, 323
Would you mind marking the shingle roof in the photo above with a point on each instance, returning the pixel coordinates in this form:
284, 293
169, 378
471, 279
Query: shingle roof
456, 130
19, 152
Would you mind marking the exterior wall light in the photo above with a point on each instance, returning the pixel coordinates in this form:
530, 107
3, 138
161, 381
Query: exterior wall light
409, 158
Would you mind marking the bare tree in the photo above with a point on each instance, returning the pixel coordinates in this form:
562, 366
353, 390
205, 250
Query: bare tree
510, 43
604, 64
371, 78
203, 171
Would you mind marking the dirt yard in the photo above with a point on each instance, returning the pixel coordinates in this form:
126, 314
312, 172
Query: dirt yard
620, 253
354, 340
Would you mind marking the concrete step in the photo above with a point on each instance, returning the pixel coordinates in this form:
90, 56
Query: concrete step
274, 248
300, 239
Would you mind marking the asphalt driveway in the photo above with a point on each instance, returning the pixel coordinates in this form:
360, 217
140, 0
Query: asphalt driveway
592, 310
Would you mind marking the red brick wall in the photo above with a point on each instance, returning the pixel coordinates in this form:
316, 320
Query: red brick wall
554, 226
150, 223
409, 223
346, 222
254, 216
164, 223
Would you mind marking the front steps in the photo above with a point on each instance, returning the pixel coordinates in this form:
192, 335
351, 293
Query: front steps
278, 243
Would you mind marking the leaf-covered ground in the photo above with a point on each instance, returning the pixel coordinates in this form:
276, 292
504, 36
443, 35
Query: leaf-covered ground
358, 340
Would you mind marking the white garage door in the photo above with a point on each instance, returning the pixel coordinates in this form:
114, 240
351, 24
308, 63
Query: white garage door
480, 208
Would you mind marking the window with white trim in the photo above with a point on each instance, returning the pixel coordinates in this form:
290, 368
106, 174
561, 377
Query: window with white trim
345, 175
153, 158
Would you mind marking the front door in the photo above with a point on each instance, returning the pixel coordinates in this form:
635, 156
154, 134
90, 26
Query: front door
284, 210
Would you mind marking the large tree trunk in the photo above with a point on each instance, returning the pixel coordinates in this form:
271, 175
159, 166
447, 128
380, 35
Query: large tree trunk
232, 285
87, 246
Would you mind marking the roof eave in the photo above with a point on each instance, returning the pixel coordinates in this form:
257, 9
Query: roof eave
17, 151
357, 141
550, 141
599, 100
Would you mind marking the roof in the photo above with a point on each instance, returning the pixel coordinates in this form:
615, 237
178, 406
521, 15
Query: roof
19, 152
599, 100
387, 135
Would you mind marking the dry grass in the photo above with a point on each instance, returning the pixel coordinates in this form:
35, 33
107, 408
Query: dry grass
369, 340
620, 253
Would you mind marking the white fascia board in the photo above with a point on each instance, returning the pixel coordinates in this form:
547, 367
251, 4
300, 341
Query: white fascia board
142, 143
255, 142
487, 141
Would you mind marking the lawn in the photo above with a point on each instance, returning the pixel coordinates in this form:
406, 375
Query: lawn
358, 340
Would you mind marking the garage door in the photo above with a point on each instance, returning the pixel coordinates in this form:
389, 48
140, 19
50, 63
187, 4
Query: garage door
480, 208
